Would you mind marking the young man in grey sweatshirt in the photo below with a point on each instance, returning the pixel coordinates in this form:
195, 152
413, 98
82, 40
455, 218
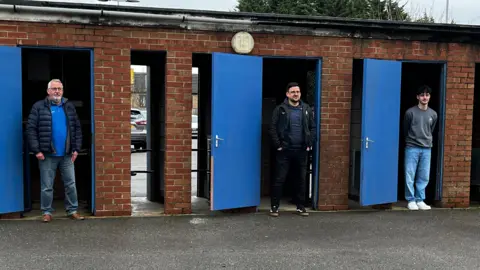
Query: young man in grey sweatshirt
419, 123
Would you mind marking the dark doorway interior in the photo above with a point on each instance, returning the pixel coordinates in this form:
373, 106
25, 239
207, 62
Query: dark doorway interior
475, 166
356, 130
277, 73
39, 66
415, 75
151, 159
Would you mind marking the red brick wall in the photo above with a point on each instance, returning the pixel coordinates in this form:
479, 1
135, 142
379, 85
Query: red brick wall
112, 126
179, 135
112, 92
458, 134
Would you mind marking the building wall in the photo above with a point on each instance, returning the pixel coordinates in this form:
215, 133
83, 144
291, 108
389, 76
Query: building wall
112, 47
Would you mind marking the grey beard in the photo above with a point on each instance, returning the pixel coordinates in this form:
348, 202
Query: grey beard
56, 99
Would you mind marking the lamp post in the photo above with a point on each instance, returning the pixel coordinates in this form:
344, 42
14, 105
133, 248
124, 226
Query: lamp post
446, 12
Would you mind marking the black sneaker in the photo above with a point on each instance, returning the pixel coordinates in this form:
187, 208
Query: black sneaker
302, 211
274, 211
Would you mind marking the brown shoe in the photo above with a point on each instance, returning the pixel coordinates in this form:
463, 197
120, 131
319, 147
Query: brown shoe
47, 218
76, 216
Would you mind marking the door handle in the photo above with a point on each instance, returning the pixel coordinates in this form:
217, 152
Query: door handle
367, 141
217, 139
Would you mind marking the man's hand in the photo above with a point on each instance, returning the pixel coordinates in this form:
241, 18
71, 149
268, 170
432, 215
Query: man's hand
40, 156
74, 156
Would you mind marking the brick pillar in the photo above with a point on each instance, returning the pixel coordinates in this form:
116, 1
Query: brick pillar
178, 133
112, 131
335, 131
458, 128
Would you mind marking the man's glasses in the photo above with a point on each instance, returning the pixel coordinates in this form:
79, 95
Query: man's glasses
56, 88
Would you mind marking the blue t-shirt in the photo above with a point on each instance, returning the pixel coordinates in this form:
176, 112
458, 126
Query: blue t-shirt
59, 129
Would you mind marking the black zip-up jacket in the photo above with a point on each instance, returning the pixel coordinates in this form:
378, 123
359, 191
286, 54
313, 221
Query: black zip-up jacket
39, 128
280, 126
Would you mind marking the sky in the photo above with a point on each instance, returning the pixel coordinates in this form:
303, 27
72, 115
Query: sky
461, 11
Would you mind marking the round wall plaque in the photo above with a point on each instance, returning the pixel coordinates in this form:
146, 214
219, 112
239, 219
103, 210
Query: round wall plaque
242, 42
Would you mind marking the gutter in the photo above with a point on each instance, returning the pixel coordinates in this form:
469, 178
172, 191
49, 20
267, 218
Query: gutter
101, 13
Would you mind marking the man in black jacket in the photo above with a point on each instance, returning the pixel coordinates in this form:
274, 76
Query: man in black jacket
293, 133
54, 135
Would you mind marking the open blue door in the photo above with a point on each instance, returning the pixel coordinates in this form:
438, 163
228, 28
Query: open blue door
380, 131
316, 147
441, 134
236, 131
11, 135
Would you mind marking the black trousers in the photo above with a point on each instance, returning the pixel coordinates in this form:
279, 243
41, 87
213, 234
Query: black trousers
290, 159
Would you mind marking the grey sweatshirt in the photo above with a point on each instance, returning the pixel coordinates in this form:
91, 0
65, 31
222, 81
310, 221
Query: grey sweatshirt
418, 127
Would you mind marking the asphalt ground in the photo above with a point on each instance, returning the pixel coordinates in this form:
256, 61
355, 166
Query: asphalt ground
439, 239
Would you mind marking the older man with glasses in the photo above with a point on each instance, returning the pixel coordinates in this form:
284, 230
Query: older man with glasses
55, 136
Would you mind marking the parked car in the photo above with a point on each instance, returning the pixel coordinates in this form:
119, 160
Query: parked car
138, 127
138, 124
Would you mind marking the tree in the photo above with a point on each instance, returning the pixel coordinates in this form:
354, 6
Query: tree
386, 10
258, 6
362, 9
425, 19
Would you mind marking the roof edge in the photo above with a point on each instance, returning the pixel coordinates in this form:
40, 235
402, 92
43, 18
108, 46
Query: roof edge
265, 17
100, 14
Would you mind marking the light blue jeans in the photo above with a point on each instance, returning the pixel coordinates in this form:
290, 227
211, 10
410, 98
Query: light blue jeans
48, 170
417, 172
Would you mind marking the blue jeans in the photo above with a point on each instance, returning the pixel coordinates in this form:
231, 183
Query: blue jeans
417, 172
48, 170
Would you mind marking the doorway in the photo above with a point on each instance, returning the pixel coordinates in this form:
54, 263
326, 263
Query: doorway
201, 147
415, 75
475, 165
147, 121
272, 75
39, 66
277, 73
393, 83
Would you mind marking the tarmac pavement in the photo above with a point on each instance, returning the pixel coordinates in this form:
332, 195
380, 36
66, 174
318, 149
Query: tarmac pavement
440, 239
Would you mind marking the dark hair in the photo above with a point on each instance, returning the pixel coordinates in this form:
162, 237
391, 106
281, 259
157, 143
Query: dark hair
424, 89
290, 85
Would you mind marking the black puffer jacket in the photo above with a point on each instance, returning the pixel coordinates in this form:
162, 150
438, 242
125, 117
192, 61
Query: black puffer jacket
280, 125
39, 128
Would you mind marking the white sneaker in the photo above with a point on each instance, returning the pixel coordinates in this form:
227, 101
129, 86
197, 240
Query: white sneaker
412, 206
423, 206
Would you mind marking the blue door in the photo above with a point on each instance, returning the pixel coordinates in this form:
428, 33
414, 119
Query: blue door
441, 134
380, 131
316, 147
11, 138
236, 131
